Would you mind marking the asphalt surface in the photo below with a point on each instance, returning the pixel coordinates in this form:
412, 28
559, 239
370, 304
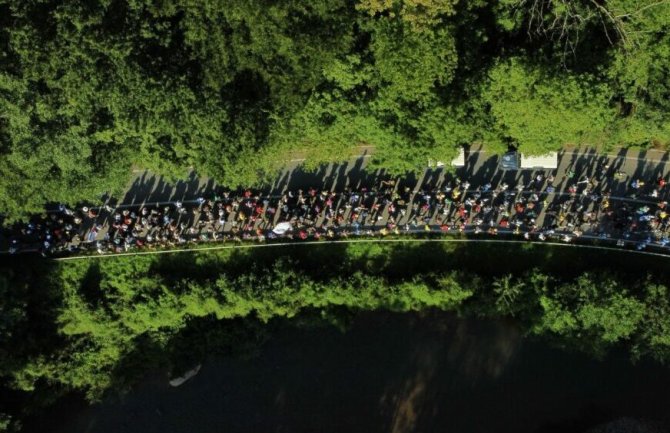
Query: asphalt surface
148, 190
146, 187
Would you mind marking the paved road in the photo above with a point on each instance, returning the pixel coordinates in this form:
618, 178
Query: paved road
481, 168
146, 187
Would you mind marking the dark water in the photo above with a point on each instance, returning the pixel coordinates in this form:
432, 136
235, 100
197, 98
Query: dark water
390, 373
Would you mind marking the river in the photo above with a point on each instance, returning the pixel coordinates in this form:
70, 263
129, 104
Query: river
392, 373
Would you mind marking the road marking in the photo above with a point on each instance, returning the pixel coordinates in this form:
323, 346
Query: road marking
584, 155
355, 156
589, 156
289, 160
352, 241
631, 158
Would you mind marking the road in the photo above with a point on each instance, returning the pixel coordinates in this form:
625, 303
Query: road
146, 187
481, 168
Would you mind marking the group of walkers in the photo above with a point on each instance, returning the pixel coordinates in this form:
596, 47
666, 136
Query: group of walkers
539, 209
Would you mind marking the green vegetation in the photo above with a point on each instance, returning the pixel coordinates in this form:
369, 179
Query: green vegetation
91, 89
229, 89
95, 325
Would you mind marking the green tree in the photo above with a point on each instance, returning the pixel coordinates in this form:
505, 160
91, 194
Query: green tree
543, 110
508, 292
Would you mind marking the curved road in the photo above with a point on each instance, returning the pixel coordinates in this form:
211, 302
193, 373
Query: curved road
480, 169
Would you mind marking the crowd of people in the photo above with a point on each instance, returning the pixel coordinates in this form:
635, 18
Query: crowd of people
542, 209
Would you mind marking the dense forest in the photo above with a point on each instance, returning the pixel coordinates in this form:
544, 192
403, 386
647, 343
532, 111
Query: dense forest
96, 325
228, 89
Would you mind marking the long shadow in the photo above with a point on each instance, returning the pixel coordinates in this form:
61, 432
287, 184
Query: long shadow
141, 187
151, 188
650, 172
485, 172
161, 192
337, 180
181, 188
659, 171
356, 175
280, 184
301, 178
409, 180
618, 187
574, 158
90, 284
467, 171
191, 187
591, 163
206, 189
641, 167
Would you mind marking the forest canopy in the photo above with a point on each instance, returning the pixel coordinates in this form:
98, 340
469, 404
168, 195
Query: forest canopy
91, 89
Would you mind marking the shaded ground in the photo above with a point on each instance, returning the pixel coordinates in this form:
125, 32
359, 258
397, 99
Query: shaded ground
480, 166
390, 373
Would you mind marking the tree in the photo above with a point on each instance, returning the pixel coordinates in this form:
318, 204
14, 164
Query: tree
654, 338
230, 90
507, 293
542, 110
419, 14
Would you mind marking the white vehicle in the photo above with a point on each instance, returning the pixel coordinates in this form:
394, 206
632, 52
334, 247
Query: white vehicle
550, 160
282, 228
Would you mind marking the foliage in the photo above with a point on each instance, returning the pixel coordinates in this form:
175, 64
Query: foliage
89, 90
530, 110
419, 14
102, 322
596, 309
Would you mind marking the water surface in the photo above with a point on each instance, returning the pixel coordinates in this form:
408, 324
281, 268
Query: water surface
390, 373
